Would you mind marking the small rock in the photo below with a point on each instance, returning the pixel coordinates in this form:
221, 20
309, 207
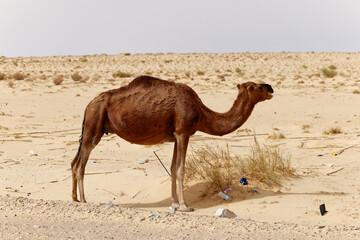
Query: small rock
142, 219
225, 213
321, 226
143, 160
36, 226
129, 217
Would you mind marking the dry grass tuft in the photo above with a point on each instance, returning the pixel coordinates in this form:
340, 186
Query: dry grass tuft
276, 135
200, 73
58, 80
19, 76
264, 166
329, 73
76, 77
332, 131
2, 76
354, 92
121, 74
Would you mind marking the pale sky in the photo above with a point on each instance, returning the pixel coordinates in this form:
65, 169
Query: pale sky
85, 27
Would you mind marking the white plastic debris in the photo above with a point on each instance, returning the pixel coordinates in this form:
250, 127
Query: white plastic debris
33, 153
143, 160
225, 213
223, 196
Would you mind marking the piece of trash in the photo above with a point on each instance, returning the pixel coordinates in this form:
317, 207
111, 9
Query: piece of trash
290, 184
224, 212
227, 190
322, 209
154, 216
320, 155
334, 153
172, 208
330, 165
243, 181
143, 160
223, 196
94, 161
33, 153
255, 191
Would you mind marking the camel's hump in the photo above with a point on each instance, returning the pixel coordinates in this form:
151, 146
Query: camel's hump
147, 81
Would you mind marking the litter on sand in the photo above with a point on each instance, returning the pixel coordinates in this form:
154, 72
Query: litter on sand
243, 181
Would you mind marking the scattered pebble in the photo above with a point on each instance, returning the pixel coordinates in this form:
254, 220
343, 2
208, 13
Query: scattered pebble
225, 213
143, 160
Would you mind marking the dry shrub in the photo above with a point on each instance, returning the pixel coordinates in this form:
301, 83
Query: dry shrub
76, 77
332, 131
276, 135
42, 77
329, 73
264, 166
2, 76
121, 74
58, 80
200, 73
19, 76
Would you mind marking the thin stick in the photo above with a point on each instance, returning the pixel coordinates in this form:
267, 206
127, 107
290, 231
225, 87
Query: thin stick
342, 150
95, 173
161, 163
334, 171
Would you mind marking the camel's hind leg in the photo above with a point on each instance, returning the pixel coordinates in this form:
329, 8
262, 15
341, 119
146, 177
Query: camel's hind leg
91, 136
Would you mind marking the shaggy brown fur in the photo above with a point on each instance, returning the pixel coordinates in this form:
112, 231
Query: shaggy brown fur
152, 111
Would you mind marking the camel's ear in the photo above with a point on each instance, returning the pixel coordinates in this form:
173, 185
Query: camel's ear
238, 86
250, 87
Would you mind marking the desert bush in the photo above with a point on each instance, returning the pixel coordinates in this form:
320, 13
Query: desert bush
200, 73
58, 80
19, 76
329, 73
219, 169
332, 67
354, 92
187, 74
276, 135
121, 74
76, 77
83, 59
332, 131
42, 77
2, 76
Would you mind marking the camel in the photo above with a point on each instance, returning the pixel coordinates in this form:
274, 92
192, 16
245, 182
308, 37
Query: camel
150, 111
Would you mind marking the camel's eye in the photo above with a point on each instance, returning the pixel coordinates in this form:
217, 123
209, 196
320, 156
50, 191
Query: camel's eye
260, 88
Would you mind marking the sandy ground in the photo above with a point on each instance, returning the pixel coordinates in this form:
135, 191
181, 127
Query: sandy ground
38, 116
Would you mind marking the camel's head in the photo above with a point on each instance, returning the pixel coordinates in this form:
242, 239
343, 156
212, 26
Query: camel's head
257, 92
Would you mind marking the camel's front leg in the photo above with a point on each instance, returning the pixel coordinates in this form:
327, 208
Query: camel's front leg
174, 197
183, 141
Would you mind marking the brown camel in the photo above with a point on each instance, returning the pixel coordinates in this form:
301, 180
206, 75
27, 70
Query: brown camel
151, 111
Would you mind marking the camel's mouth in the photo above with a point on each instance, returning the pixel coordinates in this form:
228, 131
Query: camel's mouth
270, 95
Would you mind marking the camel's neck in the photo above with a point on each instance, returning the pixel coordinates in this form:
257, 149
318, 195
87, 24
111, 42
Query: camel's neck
223, 123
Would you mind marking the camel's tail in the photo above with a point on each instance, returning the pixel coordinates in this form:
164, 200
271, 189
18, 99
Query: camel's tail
81, 136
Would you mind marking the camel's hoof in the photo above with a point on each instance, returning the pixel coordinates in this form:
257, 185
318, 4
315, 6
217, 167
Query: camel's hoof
186, 209
75, 200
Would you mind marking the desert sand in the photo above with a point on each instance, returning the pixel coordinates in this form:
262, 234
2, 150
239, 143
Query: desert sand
41, 123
